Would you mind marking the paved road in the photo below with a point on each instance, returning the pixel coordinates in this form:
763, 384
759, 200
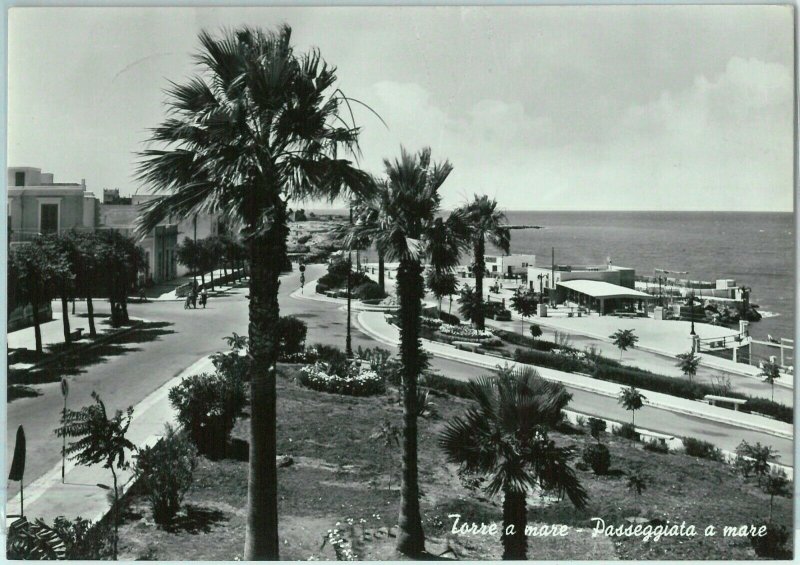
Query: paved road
156, 355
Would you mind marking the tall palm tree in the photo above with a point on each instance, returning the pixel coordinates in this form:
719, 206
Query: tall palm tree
505, 439
407, 230
368, 213
258, 126
486, 222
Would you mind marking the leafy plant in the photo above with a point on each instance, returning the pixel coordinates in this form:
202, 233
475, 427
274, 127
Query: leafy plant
626, 431
624, 339
759, 457
597, 456
166, 470
632, 400
292, 332
773, 544
777, 484
699, 448
83, 539
596, 427
33, 541
524, 304
771, 372
101, 440
656, 446
688, 363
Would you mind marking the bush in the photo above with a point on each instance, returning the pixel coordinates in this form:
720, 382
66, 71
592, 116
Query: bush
434, 312
84, 540
566, 363
626, 431
334, 357
321, 288
772, 545
524, 341
232, 365
699, 448
207, 407
596, 427
304, 239
292, 333
165, 470
656, 446
597, 456
369, 291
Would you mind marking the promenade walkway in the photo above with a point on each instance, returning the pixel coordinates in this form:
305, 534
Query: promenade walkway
375, 324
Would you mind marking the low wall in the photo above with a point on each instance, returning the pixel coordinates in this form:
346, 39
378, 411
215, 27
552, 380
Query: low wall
21, 317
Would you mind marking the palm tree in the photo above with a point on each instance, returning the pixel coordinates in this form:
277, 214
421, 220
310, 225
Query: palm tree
688, 363
258, 126
631, 399
441, 284
771, 372
407, 231
623, 339
485, 222
505, 438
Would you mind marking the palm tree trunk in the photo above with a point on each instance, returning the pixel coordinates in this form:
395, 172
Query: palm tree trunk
515, 547
90, 311
381, 273
211, 274
411, 538
478, 267
65, 317
267, 254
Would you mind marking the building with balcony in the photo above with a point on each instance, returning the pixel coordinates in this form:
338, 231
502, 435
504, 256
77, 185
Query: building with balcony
38, 205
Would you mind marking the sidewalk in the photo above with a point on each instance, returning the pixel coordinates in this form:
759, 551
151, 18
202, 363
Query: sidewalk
375, 325
47, 498
168, 289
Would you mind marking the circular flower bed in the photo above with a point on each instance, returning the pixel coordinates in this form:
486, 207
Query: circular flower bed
358, 381
465, 332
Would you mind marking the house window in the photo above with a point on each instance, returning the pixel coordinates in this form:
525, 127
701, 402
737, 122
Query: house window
48, 218
19, 178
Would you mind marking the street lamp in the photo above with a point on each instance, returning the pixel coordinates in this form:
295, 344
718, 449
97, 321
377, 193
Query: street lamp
691, 306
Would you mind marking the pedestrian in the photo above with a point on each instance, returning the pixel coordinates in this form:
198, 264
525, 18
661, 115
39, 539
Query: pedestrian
194, 299
187, 302
203, 297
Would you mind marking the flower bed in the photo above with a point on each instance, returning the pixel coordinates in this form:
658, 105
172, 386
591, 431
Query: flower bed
465, 332
357, 381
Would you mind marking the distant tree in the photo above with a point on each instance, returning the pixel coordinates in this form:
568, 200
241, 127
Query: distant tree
524, 304
632, 400
505, 438
688, 363
596, 428
777, 485
36, 270
624, 339
759, 457
535, 331
190, 255
637, 483
87, 270
122, 262
300, 215
469, 301
100, 440
441, 284
213, 252
771, 372
62, 246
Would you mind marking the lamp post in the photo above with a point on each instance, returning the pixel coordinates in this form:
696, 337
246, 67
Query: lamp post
691, 306
348, 346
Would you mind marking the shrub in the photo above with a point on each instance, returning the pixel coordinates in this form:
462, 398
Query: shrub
656, 446
434, 312
567, 363
626, 431
207, 406
83, 539
232, 365
321, 287
596, 427
334, 357
772, 545
165, 470
355, 382
292, 333
699, 448
597, 456
304, 239
369, 291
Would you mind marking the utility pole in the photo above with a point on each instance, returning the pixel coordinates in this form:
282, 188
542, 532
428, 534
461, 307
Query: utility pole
348, 345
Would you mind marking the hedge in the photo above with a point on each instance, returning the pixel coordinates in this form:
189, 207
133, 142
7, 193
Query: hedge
566, 363
524, 341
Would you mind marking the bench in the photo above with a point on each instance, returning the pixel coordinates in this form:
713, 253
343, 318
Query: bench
713, 399
76, 335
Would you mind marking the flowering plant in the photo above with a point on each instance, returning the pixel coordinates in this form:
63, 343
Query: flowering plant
357, 380
464, 331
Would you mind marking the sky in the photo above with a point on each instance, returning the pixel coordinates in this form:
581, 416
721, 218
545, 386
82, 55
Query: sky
543, 108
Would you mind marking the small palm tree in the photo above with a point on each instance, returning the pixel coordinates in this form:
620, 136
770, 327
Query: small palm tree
258, 126
688, 363
771, 372
486, 222
101, 440
524, 304
631, 399
409, 231
504, 438
441, 284
624, 339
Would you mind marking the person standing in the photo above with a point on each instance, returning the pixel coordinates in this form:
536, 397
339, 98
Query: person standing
203, 297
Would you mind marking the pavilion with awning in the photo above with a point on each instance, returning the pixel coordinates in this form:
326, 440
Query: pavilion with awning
601, 296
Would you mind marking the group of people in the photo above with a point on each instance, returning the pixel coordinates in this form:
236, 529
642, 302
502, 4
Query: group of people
191, 298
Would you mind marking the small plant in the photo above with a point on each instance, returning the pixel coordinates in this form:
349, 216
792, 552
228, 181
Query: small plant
759, 457
596, 428
688, 363
632, 400
166, 470
637, 482
83, 539
721, 385
535, 331
773, 544
776, 485
33, 541
626, 431
597, 456
656, 446
623, 339
703, 449
101, 440
771, 372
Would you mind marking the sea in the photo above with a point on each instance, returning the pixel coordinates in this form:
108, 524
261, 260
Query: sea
756, 249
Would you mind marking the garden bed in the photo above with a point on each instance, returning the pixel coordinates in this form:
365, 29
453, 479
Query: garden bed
336, 469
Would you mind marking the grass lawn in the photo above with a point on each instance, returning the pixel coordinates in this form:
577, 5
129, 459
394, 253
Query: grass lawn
341, 470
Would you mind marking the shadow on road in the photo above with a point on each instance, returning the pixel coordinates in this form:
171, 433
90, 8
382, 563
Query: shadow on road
75, 358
